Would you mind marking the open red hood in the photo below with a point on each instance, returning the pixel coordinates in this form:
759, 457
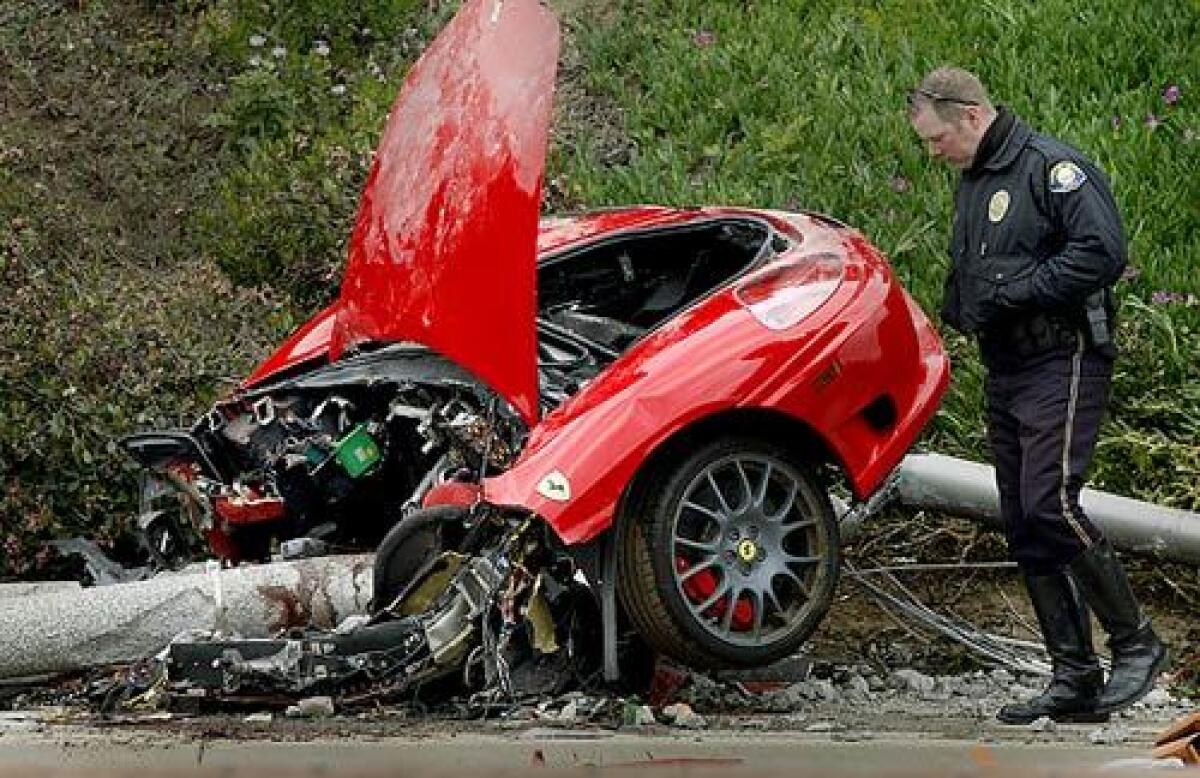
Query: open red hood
443, 251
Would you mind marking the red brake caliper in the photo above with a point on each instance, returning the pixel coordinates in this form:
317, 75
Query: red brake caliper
701, 586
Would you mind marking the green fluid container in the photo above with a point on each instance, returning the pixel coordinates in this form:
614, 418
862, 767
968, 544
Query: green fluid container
358, 452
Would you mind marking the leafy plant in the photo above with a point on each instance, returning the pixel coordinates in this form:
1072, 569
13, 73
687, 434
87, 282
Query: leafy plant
177, 178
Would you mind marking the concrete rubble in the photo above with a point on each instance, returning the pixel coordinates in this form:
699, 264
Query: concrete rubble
311, 708
681, 715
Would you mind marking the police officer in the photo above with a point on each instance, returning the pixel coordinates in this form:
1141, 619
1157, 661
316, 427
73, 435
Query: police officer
1037, 244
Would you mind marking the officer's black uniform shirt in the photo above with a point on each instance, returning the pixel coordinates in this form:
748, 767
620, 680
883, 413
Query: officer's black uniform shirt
1036, 231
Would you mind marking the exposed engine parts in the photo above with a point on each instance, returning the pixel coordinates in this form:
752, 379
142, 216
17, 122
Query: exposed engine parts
498, 617
690, 523
338, 454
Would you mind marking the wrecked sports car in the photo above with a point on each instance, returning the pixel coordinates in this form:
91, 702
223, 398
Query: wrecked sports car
644, 407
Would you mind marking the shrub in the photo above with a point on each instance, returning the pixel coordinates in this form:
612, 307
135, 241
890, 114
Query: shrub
178, 177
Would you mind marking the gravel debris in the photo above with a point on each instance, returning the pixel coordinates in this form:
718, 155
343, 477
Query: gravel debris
908, 678
310, 708
681, 715
1109, 735
1043, 724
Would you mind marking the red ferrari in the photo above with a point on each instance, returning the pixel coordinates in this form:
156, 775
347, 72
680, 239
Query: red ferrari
652, 401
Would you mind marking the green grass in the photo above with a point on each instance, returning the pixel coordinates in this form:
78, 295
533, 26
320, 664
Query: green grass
800, 104
175, 193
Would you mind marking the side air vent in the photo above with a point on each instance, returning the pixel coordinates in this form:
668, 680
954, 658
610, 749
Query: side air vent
881, 413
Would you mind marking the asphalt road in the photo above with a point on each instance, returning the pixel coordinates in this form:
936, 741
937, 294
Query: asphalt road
95, 752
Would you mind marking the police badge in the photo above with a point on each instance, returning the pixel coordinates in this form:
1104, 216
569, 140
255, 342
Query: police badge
998, 206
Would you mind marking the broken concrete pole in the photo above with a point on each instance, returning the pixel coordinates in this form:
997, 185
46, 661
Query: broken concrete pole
37, 587
964, 488
62, 631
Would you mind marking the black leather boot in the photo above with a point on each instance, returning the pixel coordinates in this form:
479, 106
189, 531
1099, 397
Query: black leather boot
1067, 631
1138, 656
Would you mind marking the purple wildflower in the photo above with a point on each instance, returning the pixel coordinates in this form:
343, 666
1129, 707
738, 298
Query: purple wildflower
900, 184
1162, 297
1131, 272
1116, 122
1172, 94
704, 38
1152, 122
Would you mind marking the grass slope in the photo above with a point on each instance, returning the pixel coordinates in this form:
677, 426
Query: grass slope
177, 179
801, 104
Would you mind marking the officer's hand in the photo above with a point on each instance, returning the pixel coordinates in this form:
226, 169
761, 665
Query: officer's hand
1005, 283
1015, 294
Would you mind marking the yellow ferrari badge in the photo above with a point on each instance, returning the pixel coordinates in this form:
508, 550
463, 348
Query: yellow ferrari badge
747, 551
998, 206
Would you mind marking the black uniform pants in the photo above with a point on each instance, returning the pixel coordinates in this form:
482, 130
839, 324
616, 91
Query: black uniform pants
1043, 422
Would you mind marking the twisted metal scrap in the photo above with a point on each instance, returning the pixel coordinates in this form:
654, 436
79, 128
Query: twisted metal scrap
893, 596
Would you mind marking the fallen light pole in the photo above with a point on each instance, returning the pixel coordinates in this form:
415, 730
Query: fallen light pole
45, 629
968, 489
963, 488
73, 629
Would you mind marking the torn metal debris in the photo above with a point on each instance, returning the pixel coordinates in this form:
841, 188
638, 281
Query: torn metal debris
499, 615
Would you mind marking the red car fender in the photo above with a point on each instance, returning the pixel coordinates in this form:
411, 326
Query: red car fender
304, 346
580, 459
869, 340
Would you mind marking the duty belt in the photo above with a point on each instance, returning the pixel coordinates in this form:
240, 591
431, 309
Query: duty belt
1029, 335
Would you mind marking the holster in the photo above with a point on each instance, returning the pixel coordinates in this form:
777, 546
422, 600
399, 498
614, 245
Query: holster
1027, 334
1030, 334
1099, 314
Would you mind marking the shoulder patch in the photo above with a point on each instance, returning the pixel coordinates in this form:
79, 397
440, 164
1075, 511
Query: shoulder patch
1066, 176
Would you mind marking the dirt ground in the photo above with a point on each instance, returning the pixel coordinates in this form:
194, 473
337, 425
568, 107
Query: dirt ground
856, 709
873, 692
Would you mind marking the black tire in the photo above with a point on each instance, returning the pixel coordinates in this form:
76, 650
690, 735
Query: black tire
166, 543
796, 558
408, 548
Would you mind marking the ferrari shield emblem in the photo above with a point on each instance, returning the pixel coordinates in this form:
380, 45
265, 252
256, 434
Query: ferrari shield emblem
1066, 177
555, 486
998, 206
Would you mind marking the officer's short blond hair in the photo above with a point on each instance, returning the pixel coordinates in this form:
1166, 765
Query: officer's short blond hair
948, 90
